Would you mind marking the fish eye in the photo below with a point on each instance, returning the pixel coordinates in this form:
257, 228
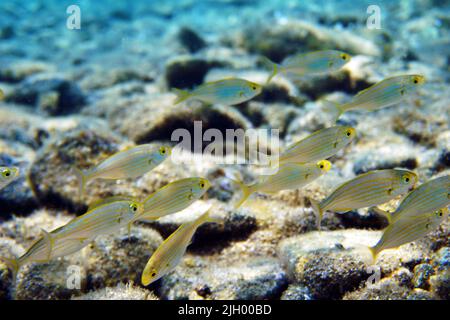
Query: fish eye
418, 79
349, 132
406, 178
344, 56
153, 274
133, 207
440, 213
6, 173
324, 165
162, 150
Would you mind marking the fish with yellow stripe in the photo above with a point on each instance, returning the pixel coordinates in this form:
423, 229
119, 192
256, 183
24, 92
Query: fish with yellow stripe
321, 144
408, 229
289, 176
383, 94
311, 63
131, 163
102, 219
8, 175
366, 190
428, 197
171, 251
226, 91
173, 197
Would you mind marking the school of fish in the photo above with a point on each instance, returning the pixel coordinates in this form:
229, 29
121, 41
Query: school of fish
422, 209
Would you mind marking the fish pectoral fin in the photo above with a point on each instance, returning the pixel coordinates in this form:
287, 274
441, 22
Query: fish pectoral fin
389, 191
129, 230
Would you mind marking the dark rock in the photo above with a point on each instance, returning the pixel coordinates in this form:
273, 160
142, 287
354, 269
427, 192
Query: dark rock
277, 41
440, 281
156, 118
296, 292
237, 224
188, 73
371, 220
255, 279
7, 32
330, 278
316, 86
120, 258
444, 160
50, 174
190, 40
44, 282
374, 160
52, 95
327, 264
274, 93
119, 292
422, 273
17, 198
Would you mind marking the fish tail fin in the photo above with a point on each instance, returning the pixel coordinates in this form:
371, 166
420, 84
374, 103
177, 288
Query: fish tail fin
317, 211
246, 192
49, 240
374, 252
13, 265
333, 108
384, 213
268, 64
182, 95
82, 180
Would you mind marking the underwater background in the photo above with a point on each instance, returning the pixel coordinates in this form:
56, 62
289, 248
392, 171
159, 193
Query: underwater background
76, 96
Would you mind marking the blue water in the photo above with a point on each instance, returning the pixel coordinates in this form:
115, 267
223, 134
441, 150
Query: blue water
135, 30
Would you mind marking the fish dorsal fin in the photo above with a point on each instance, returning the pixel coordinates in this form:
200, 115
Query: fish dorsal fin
365, 90
126, 148
102, 202
213, 82
382, 82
